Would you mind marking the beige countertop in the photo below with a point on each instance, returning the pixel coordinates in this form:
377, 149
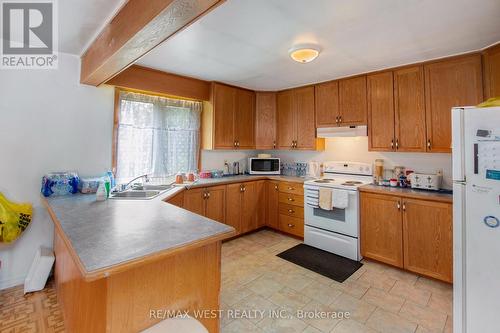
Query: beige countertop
409, 193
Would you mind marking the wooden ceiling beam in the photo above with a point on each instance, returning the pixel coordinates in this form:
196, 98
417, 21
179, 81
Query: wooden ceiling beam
136, 29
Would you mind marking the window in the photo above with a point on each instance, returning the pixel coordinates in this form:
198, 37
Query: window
156, 135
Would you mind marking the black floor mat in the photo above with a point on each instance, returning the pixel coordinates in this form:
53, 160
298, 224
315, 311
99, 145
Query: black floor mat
325, 263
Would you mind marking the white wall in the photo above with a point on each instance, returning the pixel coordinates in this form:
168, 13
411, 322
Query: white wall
48, 122
345, 149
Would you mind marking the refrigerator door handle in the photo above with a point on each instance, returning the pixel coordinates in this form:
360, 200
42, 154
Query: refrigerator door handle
476, 158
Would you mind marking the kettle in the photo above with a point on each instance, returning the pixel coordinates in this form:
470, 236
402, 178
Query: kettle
314, 169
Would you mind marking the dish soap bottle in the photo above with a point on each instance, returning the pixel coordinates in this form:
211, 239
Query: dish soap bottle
101, 194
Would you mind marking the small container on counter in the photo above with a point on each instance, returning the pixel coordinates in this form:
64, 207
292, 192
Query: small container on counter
179, 178
393, 182
190, 177
403, 181
385, 182
217, 173
205, 174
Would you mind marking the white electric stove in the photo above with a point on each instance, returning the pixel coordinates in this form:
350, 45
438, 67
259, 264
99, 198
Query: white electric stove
336, 230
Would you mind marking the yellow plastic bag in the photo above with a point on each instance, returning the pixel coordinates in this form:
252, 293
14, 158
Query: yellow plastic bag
495, 101
14, 219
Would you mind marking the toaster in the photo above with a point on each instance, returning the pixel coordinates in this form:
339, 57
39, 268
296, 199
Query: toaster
426, 181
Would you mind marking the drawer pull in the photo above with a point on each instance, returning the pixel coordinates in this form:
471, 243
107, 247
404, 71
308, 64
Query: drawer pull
291, 199
291, 188
290, 225
291, 211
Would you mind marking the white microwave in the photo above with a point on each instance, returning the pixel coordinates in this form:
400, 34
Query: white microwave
264, 166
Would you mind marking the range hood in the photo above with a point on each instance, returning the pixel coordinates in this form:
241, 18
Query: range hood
345, 131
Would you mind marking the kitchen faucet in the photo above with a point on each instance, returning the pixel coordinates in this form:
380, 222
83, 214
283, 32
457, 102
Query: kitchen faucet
124, 187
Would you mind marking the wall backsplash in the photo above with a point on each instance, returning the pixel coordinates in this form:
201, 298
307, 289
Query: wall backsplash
343, 149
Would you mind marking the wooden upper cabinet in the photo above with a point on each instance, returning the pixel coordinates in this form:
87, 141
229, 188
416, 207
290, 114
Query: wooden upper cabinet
304, 108
381, 228
409, 103
265, 120
381, 112
492, 72
449, 83
428, 238
327, 104
352, 99
224, 102
244, 119
286, 119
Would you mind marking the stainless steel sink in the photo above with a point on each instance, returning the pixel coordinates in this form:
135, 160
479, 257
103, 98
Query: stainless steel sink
151, 187
135, 194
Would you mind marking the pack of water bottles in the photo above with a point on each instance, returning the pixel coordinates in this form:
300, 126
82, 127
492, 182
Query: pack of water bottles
68, 182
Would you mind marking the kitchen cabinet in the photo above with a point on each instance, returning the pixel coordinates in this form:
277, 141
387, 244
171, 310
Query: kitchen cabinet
381, 228
491, 71
291, 208
396, 110
233, 118
427, 238
272, 219
449, 83
407, 232
265, 120
208, 202
326, 99
352, 99
177, 200
409, 105
296, 124
381, 135
246, 205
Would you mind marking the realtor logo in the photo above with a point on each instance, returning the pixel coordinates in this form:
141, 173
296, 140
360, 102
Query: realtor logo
29, 34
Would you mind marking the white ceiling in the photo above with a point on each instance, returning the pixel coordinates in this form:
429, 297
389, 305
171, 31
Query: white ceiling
246, 42
80, 21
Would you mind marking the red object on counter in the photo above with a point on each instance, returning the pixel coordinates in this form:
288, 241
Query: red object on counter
205, 174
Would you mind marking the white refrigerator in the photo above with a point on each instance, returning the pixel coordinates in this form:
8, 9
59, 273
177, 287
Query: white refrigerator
476, 214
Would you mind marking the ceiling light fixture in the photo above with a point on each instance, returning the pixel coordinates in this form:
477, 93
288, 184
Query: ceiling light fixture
304, 53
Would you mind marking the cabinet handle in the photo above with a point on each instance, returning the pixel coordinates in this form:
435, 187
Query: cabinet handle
337, 119
274, 144
398, 205
208, 195
397, 143
276, 187
392, 144
291, 211
429, 144
404, 206
204, 195
290, 225
340, 119
291, 199
291, 188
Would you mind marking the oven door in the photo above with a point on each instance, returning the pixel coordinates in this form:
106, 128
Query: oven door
343, 221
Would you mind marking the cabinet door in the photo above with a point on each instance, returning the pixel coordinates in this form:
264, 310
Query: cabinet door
265, 122
428, 238
352, 98
245, 119
286, 119
449, 83
326, 99
249, 207
306, 127
261, 194
177, 200
272, 204
381, 112
215, 203
409, 101
233, 206
492, 72
381, 228
224, 99
194, 201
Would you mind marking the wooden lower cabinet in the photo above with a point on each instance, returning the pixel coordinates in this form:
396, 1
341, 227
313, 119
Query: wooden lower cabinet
233, 206
292, 225
428, 238
381, 229
272, 204
208, 202
177, 200
409, 233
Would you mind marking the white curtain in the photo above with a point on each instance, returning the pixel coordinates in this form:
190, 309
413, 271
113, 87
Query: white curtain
156, 135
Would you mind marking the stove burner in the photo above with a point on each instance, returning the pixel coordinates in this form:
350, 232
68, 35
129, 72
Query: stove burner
351, 183
323, 181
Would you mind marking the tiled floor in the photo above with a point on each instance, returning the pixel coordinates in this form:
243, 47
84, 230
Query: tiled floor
378, 298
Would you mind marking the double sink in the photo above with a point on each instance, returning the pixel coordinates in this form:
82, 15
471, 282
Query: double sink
141, 192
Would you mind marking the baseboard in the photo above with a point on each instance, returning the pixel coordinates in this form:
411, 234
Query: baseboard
11, 282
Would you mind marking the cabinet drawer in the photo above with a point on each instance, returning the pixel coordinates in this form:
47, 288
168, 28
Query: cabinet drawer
293, 188
290, 210
292, 225
292, 199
